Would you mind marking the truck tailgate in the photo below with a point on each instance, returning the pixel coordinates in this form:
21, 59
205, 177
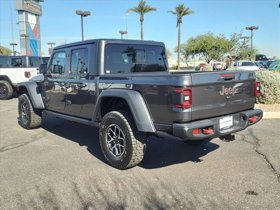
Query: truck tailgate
220, 93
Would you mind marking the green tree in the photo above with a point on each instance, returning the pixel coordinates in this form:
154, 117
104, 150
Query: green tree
5, 51
142, 9
215, 47
180, 11
244, 51
209, 46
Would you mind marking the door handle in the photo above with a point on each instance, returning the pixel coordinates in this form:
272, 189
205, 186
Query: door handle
67, 85
81, 85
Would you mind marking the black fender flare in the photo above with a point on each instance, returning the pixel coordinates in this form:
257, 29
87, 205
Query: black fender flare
136, 104
34, 93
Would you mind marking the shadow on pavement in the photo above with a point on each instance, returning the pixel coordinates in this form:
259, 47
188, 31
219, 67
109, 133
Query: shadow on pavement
165, 152
160, 152
120, 195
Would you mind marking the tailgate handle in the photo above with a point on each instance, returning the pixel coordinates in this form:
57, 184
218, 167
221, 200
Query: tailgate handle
227, 77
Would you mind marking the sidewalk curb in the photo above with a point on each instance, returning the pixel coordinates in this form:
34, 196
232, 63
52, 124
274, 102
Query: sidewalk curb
271, 115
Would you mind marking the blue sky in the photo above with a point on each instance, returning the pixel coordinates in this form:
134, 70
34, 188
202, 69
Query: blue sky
60, 24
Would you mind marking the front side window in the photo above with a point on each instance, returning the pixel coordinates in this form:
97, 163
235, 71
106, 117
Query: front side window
125, 58
79, 61
18, 62
57, 65
4, 62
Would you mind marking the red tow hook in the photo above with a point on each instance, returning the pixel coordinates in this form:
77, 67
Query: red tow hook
253, 119
207, 131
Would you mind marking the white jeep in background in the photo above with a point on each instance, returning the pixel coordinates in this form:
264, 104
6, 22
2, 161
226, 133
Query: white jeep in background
14, 70
245, 65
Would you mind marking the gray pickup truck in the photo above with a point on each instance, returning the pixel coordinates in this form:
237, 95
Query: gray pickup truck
126, 88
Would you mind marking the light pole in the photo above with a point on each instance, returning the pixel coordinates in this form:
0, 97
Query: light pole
244, 39
13, 44
82, 14
51, 46
126, 15
122, 33
252, 28
25, 41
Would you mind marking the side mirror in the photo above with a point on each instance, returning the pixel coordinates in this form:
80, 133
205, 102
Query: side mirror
43, 68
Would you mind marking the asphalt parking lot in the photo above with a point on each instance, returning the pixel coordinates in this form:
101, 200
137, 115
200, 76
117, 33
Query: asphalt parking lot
60, 166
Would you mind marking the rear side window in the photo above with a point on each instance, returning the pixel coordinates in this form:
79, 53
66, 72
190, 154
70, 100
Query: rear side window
34, 61
57, 65
79, 61
125, 58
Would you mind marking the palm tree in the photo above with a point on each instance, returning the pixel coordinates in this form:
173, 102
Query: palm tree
180, 11
142, 9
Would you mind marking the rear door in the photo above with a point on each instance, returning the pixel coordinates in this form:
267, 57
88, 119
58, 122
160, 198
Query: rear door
219, 93
81, 82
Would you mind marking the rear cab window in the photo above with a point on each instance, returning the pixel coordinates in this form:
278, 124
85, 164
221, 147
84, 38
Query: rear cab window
133, 58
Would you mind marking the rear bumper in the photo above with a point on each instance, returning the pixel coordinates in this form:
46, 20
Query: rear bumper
240, 120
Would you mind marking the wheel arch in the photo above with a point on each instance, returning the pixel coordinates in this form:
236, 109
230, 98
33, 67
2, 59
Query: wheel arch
134, 102
6, 78
33, 90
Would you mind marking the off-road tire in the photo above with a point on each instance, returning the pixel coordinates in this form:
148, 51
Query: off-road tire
135, 141
29, 118
197, 143
7, 90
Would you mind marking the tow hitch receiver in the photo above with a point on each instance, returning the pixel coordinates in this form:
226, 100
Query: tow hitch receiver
228, 138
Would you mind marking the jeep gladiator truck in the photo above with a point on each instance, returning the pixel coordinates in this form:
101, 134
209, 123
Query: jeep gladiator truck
126, 88
14, 70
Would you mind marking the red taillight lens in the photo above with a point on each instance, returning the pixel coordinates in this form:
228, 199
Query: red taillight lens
253, 119
185, 98
195, 131
27, 74
257, 89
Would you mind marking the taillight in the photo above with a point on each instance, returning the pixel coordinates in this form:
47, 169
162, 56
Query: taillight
257, 89
185, 98
27, 74
253, 119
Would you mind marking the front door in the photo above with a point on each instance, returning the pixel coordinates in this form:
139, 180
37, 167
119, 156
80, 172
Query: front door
55, 83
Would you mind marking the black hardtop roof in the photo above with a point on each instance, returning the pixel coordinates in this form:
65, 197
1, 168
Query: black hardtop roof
19, 56
117, 41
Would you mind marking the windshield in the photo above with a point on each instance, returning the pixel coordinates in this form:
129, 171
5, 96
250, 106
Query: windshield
248, 64
272, 64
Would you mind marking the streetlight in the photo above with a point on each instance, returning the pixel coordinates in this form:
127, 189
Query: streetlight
252, 28
82, 14
244, 38
13, 44
122, 33
51, 46
25, 40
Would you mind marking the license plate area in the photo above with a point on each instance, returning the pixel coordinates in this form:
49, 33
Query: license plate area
226, 122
